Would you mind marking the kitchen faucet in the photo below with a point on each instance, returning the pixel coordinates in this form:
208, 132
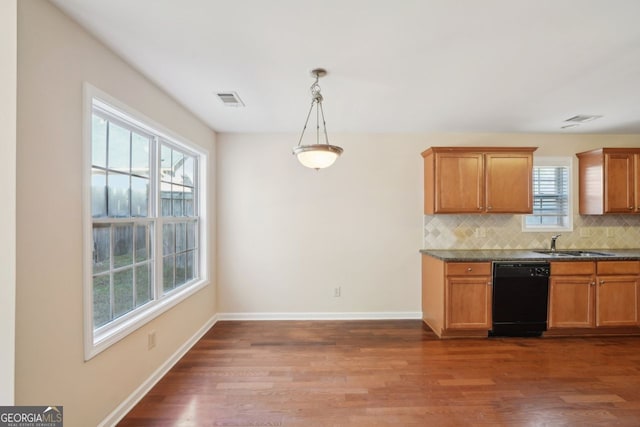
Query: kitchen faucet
553, 242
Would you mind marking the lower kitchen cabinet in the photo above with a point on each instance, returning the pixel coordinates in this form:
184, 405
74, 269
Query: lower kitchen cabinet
468, 302
572, 295
456, 297
600, 294
617, 293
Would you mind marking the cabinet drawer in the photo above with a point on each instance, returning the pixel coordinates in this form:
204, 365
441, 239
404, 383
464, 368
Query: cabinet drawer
577, 268
618, 267
468, 269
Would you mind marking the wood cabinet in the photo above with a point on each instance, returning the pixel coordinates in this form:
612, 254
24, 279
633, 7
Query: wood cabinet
478, 180
456, 297
609, 181
594, 294
617, 293
572, 295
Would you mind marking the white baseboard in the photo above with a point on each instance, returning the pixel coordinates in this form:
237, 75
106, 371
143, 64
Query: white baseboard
117, 414
382, 315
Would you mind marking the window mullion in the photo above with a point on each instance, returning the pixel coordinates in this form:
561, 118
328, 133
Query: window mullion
134, 262
156, 210
197, 210
112, 297
107, 175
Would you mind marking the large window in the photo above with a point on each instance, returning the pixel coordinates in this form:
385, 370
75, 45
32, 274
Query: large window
145, 210
551, 196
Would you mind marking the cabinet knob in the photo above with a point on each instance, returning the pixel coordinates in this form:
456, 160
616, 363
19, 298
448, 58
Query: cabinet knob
630, 208
489, 208
592, 283
469, 269
602, 282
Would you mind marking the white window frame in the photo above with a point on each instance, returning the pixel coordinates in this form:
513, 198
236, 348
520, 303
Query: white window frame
554, 161
96, 341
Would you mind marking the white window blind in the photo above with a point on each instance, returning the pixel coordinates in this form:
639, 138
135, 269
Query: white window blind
551, 203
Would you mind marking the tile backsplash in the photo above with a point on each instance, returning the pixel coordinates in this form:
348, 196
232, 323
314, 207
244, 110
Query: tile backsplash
494, 231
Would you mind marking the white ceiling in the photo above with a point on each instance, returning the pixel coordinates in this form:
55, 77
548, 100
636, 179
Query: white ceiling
394, 65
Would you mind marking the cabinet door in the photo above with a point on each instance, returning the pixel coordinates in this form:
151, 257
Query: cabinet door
617, 301
468, 303
619, 182
571, 302
459, 183
509, 183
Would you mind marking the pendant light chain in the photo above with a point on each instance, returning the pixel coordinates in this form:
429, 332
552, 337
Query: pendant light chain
316, 98
306, 122
324, 124
318, 121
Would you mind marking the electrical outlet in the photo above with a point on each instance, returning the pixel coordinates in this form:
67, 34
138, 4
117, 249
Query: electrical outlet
611, 232
584, 232
483, 232
337, 292
151, 340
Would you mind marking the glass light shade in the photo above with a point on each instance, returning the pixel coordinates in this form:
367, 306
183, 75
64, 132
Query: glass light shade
317, 156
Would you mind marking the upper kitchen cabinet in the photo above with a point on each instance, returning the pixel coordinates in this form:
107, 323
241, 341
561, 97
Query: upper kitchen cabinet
609, 181
478, 180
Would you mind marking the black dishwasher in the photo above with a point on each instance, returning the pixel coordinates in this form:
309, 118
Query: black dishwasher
520, 295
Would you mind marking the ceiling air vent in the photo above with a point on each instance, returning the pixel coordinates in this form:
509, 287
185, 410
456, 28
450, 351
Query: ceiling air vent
230, 99
582, 118
578, 120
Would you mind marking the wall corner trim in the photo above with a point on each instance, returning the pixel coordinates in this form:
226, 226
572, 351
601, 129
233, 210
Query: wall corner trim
123, 408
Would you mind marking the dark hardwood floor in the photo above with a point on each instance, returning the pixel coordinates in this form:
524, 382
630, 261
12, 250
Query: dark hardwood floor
392, 373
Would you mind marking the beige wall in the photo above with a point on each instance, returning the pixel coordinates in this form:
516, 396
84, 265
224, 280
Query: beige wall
288, 235
8, 59
55, 57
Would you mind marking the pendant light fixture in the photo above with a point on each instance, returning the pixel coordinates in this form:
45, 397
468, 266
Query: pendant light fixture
317, 156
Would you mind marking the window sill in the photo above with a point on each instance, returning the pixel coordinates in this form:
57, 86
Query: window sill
95, 343
546, 229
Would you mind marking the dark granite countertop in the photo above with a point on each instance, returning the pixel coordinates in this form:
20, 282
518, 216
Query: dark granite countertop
528, 255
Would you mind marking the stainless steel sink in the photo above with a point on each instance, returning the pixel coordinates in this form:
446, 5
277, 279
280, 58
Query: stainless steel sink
574, 253
555, 253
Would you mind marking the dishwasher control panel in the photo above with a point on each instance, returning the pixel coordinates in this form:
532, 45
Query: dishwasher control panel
521, 269
539, 271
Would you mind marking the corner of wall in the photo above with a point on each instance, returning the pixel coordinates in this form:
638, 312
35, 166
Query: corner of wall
8, 93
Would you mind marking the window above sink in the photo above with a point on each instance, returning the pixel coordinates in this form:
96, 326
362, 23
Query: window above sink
551, 195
